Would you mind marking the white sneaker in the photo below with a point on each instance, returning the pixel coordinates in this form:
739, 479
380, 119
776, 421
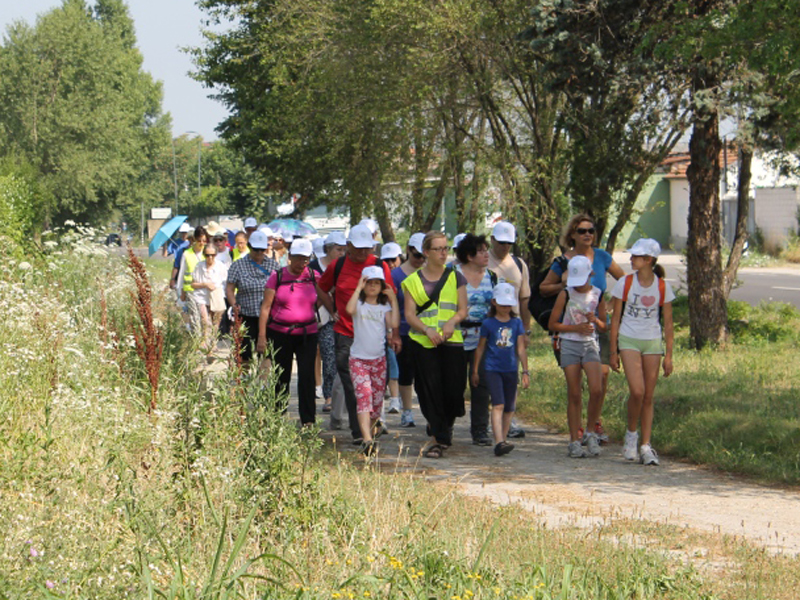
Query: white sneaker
648, 456
629, 449
592, 444
395, 406
575, 450
318, 392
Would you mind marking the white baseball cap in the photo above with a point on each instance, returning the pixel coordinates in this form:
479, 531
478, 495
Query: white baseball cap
415, 241
373, 273
361, 237
457, 240
371, 224
266, 229
504, 294
390, 250
646, 247
185, 228
504, 232
318, 246
336, 238
300, 246
579, 269
258, 240
250, 222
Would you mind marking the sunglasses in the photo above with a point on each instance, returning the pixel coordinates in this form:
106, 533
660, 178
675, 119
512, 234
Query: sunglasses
584, 230
209, 254
417, 255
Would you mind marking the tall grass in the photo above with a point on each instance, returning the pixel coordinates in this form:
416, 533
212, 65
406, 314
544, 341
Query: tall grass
218, 495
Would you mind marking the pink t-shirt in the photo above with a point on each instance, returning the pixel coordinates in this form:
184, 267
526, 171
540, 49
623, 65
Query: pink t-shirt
294, 304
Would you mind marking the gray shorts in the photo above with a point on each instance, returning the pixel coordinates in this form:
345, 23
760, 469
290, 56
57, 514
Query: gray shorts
574, 352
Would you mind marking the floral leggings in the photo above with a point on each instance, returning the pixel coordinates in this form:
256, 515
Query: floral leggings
369, 381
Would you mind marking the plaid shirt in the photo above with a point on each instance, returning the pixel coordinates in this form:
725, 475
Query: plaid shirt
250, 281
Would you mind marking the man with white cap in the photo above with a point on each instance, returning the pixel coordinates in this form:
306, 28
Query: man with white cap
250, 225
513, 270
342, 277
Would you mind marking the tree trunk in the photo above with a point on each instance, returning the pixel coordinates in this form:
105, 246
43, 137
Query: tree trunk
742, 212
383, 219
707, 305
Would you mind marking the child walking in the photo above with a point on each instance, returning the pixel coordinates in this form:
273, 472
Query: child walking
502, 339
640, 299
373, 307
579, 313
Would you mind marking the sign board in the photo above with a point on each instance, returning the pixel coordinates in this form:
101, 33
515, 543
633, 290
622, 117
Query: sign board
160, 213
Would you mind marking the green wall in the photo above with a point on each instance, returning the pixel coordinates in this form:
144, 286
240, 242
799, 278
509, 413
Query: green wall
651, 216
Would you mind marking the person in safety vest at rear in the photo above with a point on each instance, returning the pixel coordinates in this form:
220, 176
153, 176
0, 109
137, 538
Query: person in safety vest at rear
191, 257
435, 305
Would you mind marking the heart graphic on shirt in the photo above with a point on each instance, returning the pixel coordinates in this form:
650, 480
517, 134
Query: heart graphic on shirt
648, 300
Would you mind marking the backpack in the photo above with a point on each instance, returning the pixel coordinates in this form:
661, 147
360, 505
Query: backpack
540, 306
662, 293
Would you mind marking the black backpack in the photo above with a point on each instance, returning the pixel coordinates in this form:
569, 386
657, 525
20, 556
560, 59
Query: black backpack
540, 306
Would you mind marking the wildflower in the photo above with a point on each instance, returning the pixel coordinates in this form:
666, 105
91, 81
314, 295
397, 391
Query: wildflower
24, 266
50, 585
367, 594
468, 594
34, 552
336, 595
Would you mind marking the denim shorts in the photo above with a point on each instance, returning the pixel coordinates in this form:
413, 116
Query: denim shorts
653, 346
574, 352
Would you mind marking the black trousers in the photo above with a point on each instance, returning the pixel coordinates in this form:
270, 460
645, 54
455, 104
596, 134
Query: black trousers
440, 377
304, 348
343, 344
478, 397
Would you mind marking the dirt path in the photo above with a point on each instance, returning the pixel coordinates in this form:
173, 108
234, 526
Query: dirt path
540, 477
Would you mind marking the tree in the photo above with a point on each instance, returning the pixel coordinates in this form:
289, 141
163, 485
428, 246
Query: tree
79, 108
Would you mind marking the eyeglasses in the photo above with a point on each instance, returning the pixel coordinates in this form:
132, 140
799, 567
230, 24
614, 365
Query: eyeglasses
584, 230
439, 249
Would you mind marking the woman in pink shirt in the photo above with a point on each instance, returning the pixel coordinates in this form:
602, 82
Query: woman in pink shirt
288, 320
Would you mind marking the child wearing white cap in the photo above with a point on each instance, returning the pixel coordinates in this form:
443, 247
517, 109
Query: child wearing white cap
640, 300
503, 343
373, 307
579, 313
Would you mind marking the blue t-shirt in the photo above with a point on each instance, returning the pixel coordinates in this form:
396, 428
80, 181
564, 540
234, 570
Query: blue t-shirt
501, 344
602, 260
398, 275
179, 254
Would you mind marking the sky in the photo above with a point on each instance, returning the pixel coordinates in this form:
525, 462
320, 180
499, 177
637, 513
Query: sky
162, 28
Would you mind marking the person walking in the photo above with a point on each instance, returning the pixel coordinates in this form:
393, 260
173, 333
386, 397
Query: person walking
208, 293
579, 313
580, 239
341, 279
192, 256
503, 347
288, 320
641, 299
405, 365
392, 257
435, 305
472, 255
247, 278
373, 308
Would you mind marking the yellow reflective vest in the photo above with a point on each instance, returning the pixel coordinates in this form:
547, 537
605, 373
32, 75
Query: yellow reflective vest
438, 313
237, 255
191, 262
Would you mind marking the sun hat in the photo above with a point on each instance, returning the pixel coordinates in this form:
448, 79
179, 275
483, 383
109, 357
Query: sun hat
258, 240
300, 246
416, 240
373, 273
361, 237
336, 238
390, 250
185, 228
370, 224
579, 269
318, 245
250, 222
504, 232
504, 294
646, 247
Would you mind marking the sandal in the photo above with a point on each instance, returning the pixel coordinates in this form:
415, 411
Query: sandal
326, 408
435, 451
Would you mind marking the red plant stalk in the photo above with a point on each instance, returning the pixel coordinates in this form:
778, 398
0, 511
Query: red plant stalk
148, 338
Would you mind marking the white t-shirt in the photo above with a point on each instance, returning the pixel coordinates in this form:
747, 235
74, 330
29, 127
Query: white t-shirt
578, 305
217, 275
369, 331
640, 318
224, 257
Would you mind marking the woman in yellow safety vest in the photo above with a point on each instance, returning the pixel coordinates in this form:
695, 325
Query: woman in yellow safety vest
191, 257
435, 304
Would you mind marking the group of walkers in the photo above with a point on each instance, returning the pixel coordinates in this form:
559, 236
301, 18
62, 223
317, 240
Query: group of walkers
433, 323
